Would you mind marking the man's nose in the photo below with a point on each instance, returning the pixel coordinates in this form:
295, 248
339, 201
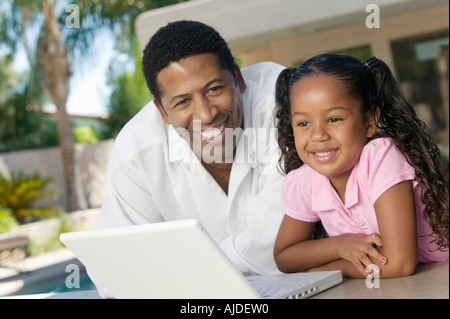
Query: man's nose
204, 111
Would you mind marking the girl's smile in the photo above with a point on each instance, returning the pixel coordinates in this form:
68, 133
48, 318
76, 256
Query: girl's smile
324, 155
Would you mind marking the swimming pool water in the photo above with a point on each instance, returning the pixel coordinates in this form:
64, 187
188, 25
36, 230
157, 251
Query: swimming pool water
56, 286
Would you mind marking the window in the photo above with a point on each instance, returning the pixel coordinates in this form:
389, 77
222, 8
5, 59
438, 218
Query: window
422, 70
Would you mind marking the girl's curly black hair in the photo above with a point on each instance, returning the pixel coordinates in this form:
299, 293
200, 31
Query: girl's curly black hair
373, 83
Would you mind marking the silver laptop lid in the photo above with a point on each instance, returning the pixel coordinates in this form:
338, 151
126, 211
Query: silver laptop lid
161, 260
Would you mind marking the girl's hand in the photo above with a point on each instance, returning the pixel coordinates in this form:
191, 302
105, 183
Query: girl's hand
357, 248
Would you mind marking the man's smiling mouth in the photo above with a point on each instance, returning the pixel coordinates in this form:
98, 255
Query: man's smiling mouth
213, 133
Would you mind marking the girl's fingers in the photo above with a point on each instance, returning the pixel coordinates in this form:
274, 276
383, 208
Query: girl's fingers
375, 240
362, 263
360, 267
366, 265
376, 255
372, 270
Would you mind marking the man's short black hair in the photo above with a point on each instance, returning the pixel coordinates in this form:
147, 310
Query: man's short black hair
179, 40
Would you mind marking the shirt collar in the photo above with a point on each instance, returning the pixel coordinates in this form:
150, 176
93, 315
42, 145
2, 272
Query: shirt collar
179, 150
246, 143
324, 196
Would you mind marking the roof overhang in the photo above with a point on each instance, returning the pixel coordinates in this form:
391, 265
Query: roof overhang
247, 24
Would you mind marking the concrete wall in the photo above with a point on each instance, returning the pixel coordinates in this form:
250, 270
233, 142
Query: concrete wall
91, 160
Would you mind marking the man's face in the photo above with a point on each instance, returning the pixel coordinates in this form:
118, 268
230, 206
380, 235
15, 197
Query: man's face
200, 98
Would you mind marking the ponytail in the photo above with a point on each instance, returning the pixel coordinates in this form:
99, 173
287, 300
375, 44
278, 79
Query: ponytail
398, 121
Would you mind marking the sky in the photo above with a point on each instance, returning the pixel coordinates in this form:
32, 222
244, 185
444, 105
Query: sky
89, 91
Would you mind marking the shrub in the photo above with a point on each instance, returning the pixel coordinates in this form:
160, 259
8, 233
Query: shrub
20, 192
84, 135
7, 221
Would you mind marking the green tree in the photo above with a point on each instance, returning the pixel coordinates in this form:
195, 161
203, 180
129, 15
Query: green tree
8, 78
62, 38
85, 135
129, 95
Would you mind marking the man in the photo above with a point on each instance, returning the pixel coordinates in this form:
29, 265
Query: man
204, 148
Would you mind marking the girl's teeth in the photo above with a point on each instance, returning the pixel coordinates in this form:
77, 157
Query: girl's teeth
324, 154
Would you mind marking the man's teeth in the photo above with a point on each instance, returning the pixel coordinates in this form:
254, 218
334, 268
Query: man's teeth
324, 153
212, 133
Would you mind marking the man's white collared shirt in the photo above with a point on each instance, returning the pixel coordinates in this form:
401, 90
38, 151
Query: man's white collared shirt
154, 176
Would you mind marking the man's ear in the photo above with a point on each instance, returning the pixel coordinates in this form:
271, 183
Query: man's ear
239, 78
162, 112
371, 122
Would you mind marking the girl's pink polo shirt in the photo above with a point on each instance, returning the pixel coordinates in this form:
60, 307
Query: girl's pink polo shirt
309, 196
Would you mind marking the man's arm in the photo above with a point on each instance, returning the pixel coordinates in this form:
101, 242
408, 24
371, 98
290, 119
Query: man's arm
128, 196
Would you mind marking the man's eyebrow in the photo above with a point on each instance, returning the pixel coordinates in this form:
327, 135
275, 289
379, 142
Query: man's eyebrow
181, 96
212, 82
176, 97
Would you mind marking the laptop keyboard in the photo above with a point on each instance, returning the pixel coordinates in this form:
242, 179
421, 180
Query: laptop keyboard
269, 290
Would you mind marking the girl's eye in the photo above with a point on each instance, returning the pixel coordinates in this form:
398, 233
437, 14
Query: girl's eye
334, 119
302, 124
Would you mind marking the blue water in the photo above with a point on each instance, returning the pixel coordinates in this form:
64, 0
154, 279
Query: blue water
58, 286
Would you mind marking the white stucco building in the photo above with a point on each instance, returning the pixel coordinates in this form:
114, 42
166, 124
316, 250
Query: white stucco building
412, 38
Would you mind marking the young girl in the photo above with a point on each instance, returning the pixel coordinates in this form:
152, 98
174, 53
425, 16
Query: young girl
359, 160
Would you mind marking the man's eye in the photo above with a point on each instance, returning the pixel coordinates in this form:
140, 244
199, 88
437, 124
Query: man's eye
215, 90
182, 102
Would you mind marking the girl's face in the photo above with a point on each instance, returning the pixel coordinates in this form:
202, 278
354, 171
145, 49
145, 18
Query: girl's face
330, 130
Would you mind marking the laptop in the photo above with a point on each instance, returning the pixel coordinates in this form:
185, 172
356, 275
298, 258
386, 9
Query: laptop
179, 260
